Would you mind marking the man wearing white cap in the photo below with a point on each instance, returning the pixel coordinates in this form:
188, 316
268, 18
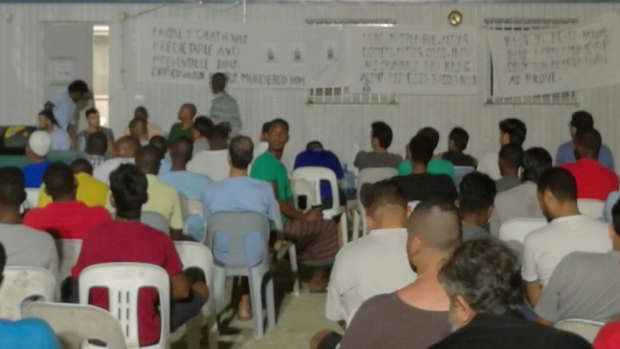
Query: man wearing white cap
38, 147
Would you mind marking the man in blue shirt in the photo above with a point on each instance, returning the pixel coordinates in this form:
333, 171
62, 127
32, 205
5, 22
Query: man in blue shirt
63, 103
38, 147
582, 121
26, 333
315, 155
190, 186
239, 192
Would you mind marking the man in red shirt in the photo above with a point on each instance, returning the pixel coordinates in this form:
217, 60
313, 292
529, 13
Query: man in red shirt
65, 217
594, 181
125, 239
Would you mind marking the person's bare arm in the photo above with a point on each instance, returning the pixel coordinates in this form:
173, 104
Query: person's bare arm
177, 235
180, 287
533, 292
543, 321
288, 210
48, 105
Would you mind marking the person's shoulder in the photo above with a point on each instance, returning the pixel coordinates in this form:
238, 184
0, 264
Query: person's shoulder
27, 233
556, 338
378, 303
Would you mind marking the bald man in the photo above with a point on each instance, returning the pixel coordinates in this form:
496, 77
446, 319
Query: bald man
190, 186
123, 152
162, 198
185, 126
416, 316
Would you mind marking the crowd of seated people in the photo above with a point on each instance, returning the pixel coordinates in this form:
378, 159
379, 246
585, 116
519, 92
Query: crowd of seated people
436, 275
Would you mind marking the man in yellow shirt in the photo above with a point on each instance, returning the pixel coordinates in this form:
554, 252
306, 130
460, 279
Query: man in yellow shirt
90, 191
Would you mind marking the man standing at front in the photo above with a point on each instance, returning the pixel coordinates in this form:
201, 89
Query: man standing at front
224, 108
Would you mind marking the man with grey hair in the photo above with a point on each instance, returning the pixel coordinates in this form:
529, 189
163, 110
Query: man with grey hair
484, 285
239, 192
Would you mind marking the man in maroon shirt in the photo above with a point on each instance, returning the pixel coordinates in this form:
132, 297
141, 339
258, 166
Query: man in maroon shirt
125, 239
594, 181
65, 217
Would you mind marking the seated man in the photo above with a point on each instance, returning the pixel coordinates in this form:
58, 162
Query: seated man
315, 155
509, 161
457, 143
60, 138
316, 239
415, 316
238, 192
585, 285
162, 198
185, 126
24, 246
96, 148
594, 181
141, 113
437, 165
482, 280
93, 124
65, 217
90, 191
581, 121
568, 231
202, 128
190, 186
476, 197
420, 185
360, 269
139, 130
522, 200
380, 141
125, 239
511, 131
123, 152
36, 152
213, 163
25, 333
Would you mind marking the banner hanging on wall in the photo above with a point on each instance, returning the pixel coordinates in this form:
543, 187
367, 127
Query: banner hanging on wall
252, 56
412, 61
559, 60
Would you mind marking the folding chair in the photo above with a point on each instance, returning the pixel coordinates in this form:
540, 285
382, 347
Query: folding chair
24, 284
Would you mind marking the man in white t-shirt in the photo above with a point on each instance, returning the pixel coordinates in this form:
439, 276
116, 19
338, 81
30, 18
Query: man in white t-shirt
124, 151
511, 131
213, 163
568, 231
378, 262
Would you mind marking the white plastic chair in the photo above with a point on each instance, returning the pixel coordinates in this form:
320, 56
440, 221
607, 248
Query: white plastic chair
195, 254
192, 207
303, 189
514, 231
236, 225
73, 324
32, 197
591, 207
367, 176
585, 328
612, 198
68, 253
460, 172
315, 175
23, 284
123, 281
155, 221
292, 254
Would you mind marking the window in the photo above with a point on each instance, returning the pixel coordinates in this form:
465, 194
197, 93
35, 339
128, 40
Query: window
510, 24
341, 94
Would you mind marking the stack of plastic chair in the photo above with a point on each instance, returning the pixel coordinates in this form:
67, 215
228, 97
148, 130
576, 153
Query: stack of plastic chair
23, 284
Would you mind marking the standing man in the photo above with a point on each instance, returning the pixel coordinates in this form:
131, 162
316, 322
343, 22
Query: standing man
184, 128
224, 108
63, 104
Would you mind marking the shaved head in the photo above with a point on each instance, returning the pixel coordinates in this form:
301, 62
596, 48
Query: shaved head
148, 159
126, 147
436, 225
181, 150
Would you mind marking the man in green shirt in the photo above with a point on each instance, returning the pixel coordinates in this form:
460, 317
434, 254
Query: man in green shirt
316, 239
184, 128
437, 165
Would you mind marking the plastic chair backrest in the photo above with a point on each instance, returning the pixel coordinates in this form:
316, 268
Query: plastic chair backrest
585, 328
123, 281
315, 175
591, 207
612, 198
236, 225
514, 231
461, 171
303, 188
155, 221
374, 174
22, 284
68, 253
75, 323
32, 197
195, 254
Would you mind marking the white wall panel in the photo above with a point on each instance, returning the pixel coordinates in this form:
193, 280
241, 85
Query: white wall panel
342, 128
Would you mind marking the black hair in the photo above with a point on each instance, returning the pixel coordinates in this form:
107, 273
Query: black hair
265, 128
148, 159
59, 179
314, 145
218, 132
203, 125
460, 137
96, 143
536, 160
615, 217
241, 151
560, 182
192, 108
160, 143
219, 80
82, 165
476, 192
2, 262
515, 128
382, 132
142, 109
49, 115
78, 86
582, 120
129, 189
278, 121
421, 149
511, 156
431, 134
90, 111
12, 191
384, 193
590, 140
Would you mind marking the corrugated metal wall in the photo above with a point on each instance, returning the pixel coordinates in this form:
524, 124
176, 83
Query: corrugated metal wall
344, 129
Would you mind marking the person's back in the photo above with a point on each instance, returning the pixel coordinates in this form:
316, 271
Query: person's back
124, 150
211, 163
90, 191
460, 159
380, 140
426, 186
